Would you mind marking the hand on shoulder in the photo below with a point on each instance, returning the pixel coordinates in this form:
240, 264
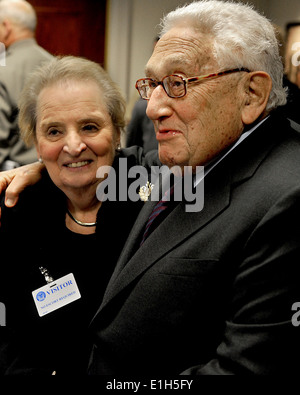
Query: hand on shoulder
14, 181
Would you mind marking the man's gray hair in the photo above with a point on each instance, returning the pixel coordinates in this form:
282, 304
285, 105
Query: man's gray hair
242, 38
19, 12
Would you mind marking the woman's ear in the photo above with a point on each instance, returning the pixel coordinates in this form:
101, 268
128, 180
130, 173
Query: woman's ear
257, 87
118, 139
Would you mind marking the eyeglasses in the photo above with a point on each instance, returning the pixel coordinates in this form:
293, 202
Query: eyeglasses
175, 85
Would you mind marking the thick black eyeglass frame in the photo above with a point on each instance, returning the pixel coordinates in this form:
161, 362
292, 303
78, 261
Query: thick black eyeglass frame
140, 84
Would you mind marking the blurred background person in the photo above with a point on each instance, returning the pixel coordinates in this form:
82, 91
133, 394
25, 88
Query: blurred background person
292, 52
286, 40
140, 130
17, 32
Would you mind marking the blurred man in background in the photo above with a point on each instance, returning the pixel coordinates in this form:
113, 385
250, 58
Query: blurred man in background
17, 30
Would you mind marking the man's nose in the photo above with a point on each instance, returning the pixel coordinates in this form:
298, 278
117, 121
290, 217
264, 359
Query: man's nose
159, 104
74, 144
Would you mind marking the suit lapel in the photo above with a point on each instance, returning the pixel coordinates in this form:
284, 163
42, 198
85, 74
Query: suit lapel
138, 228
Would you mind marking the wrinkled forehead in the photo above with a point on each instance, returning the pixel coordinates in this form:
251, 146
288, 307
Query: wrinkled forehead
181, 50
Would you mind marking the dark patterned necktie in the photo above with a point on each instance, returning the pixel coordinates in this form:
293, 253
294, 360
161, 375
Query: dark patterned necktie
157, 210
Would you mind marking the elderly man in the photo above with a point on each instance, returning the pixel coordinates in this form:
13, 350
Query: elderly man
17, 27
214, 291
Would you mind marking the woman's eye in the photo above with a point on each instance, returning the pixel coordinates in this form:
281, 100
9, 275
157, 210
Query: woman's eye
90, 128
53, 132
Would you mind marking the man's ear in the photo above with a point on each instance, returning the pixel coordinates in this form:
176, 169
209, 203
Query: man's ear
257, 87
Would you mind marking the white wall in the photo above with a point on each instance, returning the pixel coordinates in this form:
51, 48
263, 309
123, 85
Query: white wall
146, 18
283, 11
132, 25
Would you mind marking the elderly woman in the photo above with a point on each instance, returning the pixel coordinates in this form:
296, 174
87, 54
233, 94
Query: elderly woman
73, 113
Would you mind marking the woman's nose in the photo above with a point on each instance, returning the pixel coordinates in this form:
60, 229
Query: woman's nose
74, 144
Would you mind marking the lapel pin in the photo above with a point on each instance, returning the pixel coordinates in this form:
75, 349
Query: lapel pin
145, 191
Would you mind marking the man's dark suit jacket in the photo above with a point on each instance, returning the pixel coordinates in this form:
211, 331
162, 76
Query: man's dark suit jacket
211, 292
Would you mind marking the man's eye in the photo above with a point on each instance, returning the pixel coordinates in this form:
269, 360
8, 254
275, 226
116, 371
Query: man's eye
152, 84
178, 83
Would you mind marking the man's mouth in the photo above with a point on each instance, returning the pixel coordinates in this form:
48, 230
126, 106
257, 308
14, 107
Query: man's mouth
166, 133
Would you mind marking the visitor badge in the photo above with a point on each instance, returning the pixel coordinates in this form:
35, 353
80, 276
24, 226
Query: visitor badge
56, 294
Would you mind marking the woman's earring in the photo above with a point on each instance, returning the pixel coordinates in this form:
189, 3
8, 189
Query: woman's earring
41, 160
118, 148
